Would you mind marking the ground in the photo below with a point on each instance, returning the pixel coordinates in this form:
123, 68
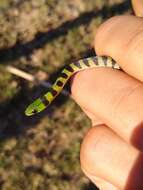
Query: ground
40, 37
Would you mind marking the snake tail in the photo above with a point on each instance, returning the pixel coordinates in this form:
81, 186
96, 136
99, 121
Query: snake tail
92, 62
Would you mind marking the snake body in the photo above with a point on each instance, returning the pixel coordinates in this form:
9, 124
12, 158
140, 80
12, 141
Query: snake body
92, 62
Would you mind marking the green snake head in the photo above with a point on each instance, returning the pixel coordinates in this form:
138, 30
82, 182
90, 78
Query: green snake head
36, 107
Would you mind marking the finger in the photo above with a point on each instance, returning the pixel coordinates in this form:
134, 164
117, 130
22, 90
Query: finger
113, 97
121, 38
138, 7
106, 156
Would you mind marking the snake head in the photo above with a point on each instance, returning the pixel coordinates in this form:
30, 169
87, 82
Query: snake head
34, 108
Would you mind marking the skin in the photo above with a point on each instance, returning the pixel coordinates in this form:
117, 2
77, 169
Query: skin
111, 153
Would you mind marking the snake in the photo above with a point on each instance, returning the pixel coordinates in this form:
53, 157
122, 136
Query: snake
69, 70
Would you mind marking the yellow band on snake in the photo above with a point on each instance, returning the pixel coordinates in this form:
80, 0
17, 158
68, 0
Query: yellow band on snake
92, 62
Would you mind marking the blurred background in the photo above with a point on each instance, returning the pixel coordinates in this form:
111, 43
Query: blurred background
40, 37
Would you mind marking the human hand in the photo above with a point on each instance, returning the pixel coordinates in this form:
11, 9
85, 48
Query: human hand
111, 153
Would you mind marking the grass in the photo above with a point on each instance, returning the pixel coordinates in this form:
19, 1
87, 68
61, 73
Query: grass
42, 152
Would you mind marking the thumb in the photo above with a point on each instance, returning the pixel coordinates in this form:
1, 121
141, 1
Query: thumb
138, 7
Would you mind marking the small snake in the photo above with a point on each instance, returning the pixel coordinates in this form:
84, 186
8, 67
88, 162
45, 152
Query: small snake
92, 62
